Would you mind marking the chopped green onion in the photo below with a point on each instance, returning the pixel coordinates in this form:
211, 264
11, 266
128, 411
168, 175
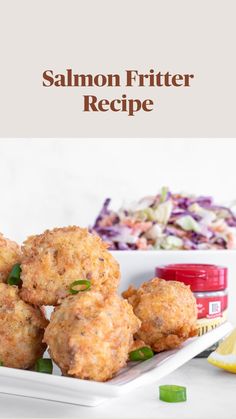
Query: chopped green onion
44, 365
141, 354
172, 394
14, 275
164, 192
80, 282
1, 364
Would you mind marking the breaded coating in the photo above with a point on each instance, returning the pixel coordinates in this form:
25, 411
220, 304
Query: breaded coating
90, 334
56, 258
138, 344
21, 330
167, 310
10, 254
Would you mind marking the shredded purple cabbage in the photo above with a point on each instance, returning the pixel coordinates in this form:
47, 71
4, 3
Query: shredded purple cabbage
167, 221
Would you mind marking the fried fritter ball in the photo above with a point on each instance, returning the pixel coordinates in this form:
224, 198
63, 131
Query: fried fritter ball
56, 258
10, 254
138, 344
21, 330
90, 335
167, 310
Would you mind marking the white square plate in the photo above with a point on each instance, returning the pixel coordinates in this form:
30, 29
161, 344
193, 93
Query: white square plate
91, 393
136, 267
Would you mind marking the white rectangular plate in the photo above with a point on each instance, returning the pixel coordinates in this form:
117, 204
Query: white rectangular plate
89, 393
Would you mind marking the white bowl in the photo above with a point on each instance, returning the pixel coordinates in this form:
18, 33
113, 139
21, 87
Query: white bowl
138, 266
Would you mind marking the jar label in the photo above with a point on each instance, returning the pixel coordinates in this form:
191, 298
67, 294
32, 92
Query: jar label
211, 307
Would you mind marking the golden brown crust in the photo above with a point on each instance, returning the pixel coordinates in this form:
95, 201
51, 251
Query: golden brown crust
21, 330
167, 310
10, 254
56, 258
137, 344
90, 334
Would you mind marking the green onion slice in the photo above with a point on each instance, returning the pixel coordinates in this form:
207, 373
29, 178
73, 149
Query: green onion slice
1, 364
164, 193
14, 275
141, 354
44, 365
172, 393
85, 286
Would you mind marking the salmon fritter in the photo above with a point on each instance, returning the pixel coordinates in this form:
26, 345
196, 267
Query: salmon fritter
52, 261
167, 310
21, 329
10, 254
90, 335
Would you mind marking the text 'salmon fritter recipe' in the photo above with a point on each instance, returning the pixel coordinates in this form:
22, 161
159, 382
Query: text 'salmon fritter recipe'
129, 79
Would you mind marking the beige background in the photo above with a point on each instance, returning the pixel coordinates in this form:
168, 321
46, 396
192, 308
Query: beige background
108, 36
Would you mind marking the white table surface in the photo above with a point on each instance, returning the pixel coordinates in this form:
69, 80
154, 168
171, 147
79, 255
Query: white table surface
211, 394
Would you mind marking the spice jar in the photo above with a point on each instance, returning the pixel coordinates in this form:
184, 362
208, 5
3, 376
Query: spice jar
209, 286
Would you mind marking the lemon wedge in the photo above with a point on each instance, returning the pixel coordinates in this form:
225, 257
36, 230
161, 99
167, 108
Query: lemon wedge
225, 355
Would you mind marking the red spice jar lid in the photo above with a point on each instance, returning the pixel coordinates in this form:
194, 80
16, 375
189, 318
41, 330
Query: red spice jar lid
200, 277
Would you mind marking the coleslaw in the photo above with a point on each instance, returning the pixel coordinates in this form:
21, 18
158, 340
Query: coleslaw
168, 221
